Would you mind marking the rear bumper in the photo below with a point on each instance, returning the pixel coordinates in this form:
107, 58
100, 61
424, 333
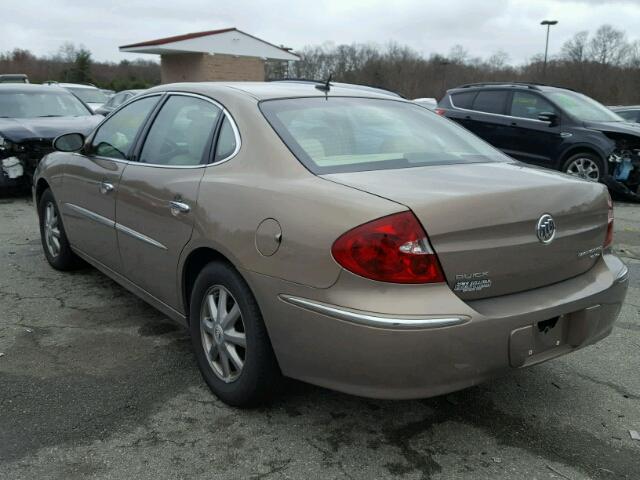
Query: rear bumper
375, 340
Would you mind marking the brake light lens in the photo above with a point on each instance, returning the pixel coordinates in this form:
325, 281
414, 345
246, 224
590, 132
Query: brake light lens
608, 240
439, 111
390, 249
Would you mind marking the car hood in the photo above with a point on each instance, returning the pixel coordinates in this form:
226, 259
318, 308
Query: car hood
21, 129
616, 127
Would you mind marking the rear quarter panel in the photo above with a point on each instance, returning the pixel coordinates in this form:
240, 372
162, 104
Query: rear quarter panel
264, 180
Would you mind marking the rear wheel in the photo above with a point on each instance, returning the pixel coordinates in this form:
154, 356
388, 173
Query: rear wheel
54, 238
231, 343
585, 165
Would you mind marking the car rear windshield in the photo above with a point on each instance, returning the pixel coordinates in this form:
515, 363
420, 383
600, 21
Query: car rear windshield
89, 95
345, 134
40, 104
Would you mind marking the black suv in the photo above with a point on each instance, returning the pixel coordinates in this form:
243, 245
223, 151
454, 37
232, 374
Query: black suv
551, 127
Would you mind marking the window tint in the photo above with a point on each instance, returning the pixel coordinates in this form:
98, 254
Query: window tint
491, 101
339, 134
630, 115
529, 105
116, 135
463, 100
181, 132
226, 141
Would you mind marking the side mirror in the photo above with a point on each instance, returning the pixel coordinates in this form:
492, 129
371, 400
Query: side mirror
550, 117
69, 142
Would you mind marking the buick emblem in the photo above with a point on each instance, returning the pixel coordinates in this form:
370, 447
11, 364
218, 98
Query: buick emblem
546, 229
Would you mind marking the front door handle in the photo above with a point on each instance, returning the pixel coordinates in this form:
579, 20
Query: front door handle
106, 187
178, 207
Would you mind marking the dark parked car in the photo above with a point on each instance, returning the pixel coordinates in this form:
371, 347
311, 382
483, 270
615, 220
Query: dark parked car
551, 127
116, 100
14, 78
630, 114
31, 116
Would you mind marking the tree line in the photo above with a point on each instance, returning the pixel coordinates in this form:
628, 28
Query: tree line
603, 65
75, 65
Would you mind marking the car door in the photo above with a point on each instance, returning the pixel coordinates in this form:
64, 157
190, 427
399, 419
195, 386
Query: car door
532, 140
158, 192
487, 119
91, 179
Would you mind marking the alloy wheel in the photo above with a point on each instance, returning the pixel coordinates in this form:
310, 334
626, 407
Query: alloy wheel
52, 229
223, 333
584, 168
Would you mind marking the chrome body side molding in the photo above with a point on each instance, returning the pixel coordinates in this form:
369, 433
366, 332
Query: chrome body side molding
73, 209
139, 236
398, 322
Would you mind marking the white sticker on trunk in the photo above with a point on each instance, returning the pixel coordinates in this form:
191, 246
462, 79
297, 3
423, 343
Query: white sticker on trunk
465, 286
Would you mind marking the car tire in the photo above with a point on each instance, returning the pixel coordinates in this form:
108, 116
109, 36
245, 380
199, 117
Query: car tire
217, 339
588, 166
53, 236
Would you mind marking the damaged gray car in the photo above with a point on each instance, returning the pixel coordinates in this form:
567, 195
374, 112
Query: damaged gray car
31, 116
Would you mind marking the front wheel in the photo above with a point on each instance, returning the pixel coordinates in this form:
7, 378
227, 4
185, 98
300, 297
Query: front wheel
231, 344
54, 238
585, 165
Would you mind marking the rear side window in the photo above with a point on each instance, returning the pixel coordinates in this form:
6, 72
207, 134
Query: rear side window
463, 100
340, 134
226, 141
116, 135
529, 105
181, 132
490, 101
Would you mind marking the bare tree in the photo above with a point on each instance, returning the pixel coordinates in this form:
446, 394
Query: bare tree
608, 46
575, 50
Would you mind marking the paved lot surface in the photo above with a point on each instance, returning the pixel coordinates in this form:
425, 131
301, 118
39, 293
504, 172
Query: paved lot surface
96, 384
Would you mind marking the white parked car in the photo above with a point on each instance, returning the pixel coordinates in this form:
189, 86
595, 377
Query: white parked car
89, 94
428, 102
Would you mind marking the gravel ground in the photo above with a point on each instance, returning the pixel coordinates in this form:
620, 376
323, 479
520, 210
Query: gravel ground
95, 384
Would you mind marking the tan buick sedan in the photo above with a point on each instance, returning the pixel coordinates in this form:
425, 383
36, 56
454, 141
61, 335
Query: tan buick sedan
343, 237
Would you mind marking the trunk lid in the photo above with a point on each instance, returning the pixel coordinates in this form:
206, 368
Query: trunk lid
482, 221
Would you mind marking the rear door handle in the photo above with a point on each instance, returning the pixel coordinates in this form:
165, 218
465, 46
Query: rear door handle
178, 207
106, 187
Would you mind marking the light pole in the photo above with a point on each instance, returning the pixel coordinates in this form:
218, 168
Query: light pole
548, 23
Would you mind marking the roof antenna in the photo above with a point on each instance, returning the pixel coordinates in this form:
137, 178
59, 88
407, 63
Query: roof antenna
325, 87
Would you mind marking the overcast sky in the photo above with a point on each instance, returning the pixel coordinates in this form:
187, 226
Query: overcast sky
481, 26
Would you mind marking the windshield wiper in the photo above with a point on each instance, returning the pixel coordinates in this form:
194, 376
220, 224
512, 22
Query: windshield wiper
46, 116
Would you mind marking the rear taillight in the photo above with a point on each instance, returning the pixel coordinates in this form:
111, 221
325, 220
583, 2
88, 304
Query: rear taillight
439, 111
608, 240
390, 249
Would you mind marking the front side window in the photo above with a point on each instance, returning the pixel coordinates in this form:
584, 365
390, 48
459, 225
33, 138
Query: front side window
181, 132
115, 137
341, 134
529, 105
41, 104
490, 101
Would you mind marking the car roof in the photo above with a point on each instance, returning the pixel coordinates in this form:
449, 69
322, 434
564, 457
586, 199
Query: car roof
74, 85
620, 108
539, 87
26, 88
270, 90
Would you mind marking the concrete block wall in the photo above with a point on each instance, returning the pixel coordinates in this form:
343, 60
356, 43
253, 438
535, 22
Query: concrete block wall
202, 67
